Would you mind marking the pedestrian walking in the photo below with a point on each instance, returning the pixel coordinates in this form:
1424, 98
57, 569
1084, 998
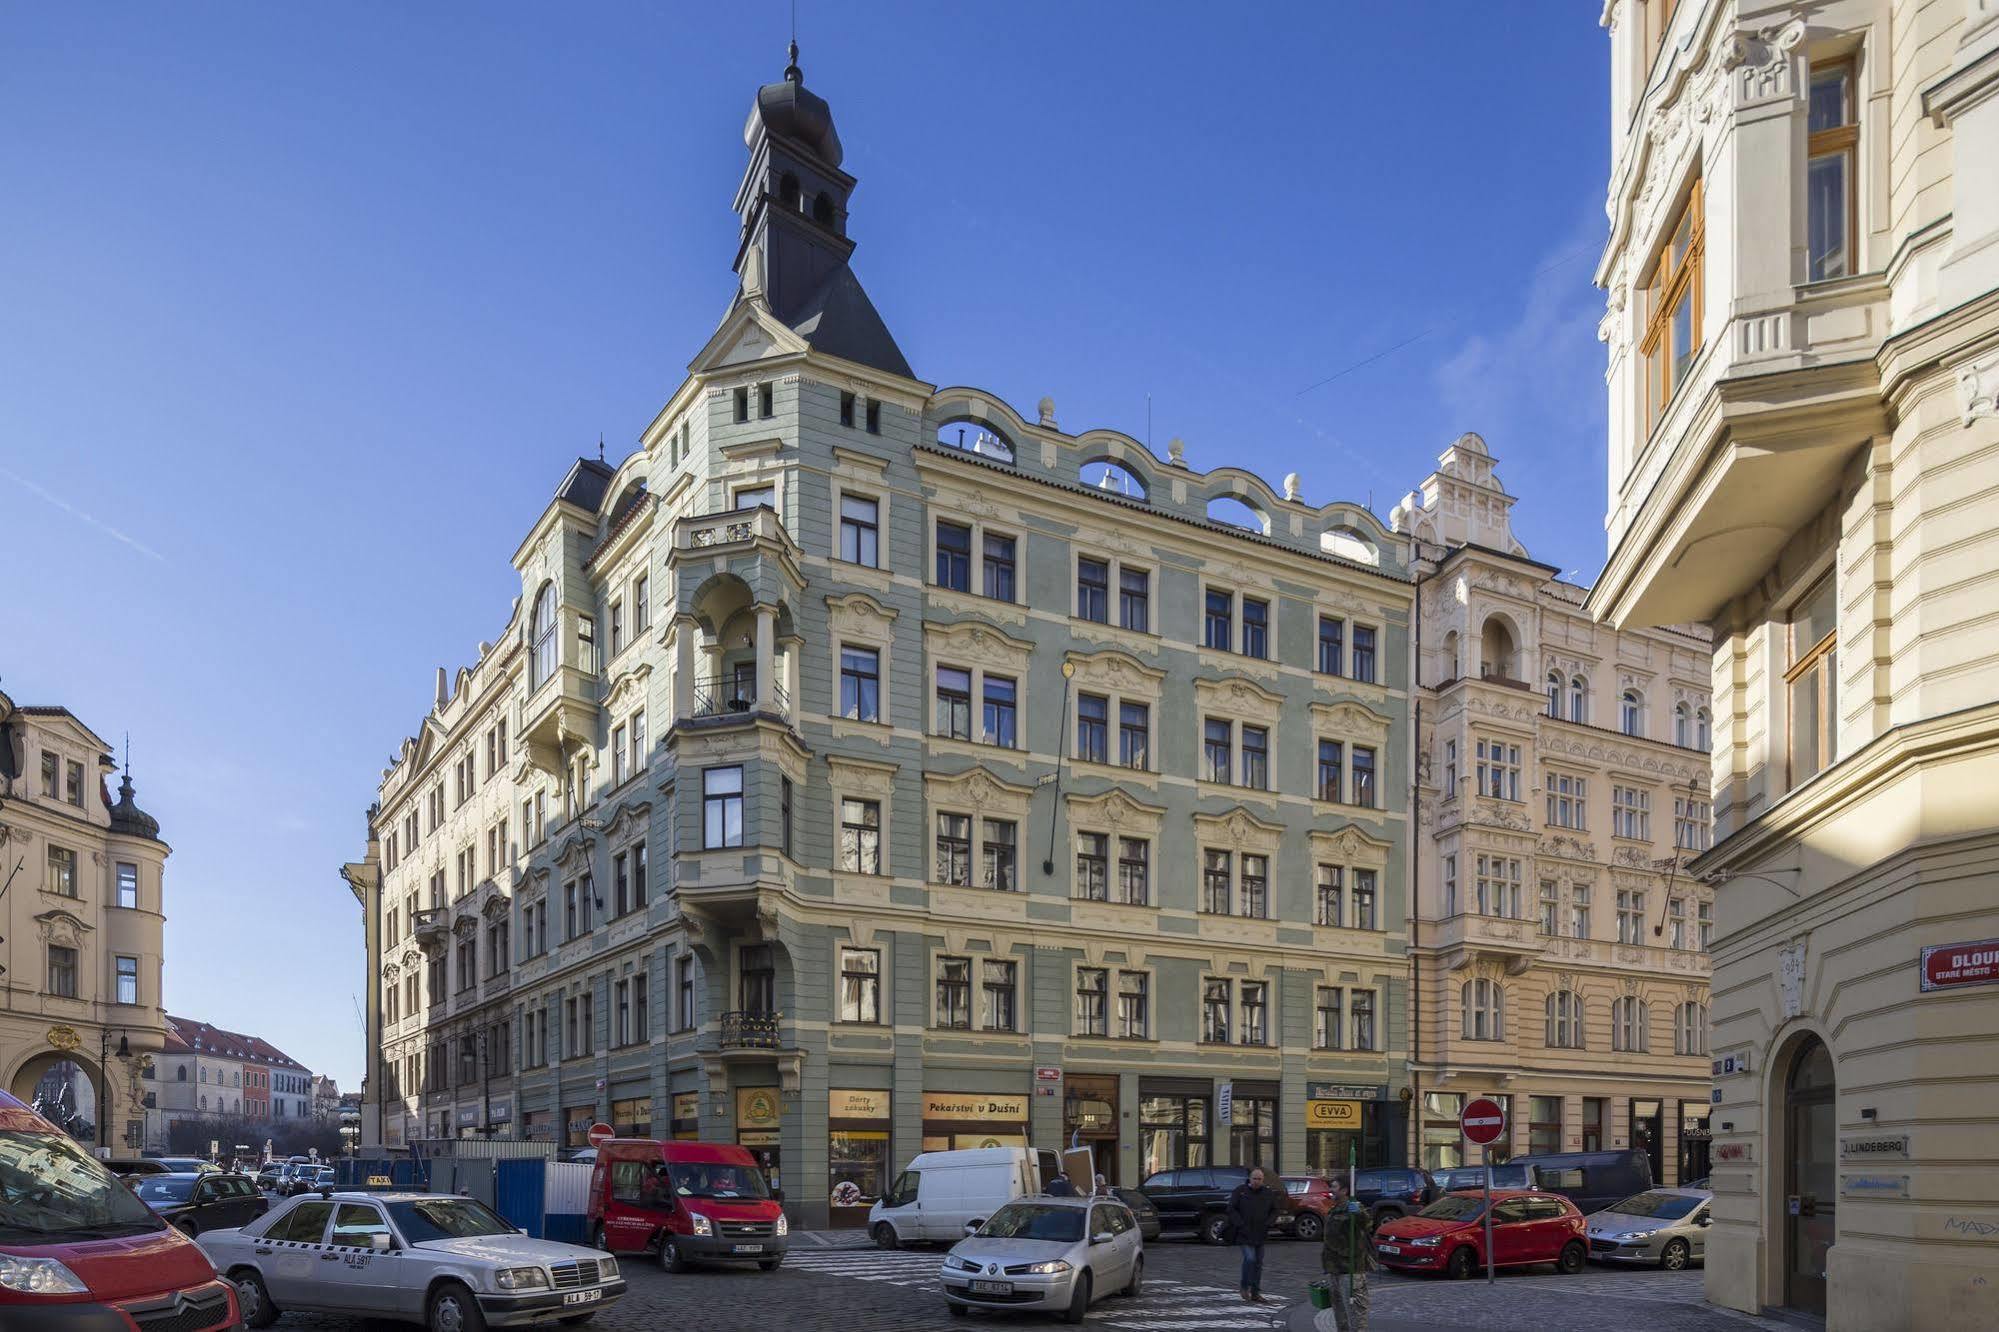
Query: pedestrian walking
1251, 1209
1347, 1254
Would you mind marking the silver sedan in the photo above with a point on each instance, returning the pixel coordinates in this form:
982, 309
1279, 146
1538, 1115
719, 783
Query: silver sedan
451, 1264
1663, 1226
1046, 1255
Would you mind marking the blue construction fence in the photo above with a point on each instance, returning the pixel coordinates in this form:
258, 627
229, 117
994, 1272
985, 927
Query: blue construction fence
549, 1199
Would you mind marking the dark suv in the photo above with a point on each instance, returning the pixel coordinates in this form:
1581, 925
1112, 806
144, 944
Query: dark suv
1197, 1199
1392, 1191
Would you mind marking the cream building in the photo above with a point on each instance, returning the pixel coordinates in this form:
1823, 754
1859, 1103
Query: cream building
1803, 333
81, 918
1558, 947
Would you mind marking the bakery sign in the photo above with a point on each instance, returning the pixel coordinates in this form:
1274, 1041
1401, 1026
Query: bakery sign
1951, 966
975, 1108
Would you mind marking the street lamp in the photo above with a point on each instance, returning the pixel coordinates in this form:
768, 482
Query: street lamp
104, 1081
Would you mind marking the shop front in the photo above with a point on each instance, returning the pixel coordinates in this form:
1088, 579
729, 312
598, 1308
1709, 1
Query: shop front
1347, 1124
686, 1116
631, 1117
576, 1122
1089, 1117
1647, 1133
1173, 1123
759, 1121
500, 1115
857, 1139
1694, 1144
954, 1120
538, 1126
466, 1121
1253, 1136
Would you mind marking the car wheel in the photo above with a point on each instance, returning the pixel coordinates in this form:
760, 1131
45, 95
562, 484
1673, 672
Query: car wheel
1214, 1228
1675, 1256
1573, 1254
1463, 1262
1382, 1214
1309, 1226
453, 1309
1079, 1302
884, 1234
1137, 1277
769, 1264
253, 1299
187, 1228
670, 1257
957, 1310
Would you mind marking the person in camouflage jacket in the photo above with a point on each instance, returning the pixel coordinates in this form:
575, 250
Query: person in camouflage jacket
1346, 1253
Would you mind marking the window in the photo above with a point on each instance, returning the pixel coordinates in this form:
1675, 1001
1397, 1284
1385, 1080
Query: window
954, 703
1363, 899
1631, 712
721, 807
1092, 727
1568, 801
1255, 886
1219, 621
1565, 1020
1544, 1125
1255, 1013
73, 783
1215, 747
1450, 769
1555, 694
1498, 886
847, 410
1579, 910
1256, 757
1676, 921
128, 980
1498, 770
620, 768
1134, 597
1134, 738
1092, 866
1704, 924
683, 981
1092, 1001
1362, 1003
757, 982
1579, 700
1829, 169
639, 888
61, 871
1814, 645
51, 774
1450, 884
1483, 1003
1363, 654
1628, 1021
1703, 730
874, 417
1326, 1019
1682, 727
764, 405
1673, 309
1216, 1000
1217, 889
742, 403
617, 644
954, 992
997, 990
1551, 907
860, 684
954, 556
638, 755
586, 643
860, 985
999, 567
996, 854
1630, 916
1329, 896
860, 836
62, 971
621, 884
1362, 775
1132, 1012
542, 632
1093, 582
998, 721
860, 530
641, 607
1134, 871
1255, 627
1690, 1029
954, 849
1631, 813
1332, 644
1331, 755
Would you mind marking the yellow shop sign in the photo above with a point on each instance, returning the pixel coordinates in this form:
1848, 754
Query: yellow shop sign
975, 1107
1332, 1114
843, 1103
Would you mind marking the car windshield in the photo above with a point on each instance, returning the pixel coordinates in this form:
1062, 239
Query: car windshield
51, 1191
718, 1180
1663, 1206
423, 1219
1455, 1209
1295, 1186
162, 1188
1035, 1221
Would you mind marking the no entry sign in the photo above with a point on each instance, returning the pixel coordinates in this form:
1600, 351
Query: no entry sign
600, 1134
1484, 1121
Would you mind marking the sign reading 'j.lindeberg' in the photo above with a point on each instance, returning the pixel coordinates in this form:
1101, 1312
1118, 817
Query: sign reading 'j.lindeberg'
1947, 966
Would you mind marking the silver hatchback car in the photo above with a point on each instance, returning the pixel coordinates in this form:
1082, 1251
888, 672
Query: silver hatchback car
1663, 1226
1046, 1255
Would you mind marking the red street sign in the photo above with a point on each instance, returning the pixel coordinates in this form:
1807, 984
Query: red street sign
1947, 966
600, 1134
1047, 1075
1484, 1121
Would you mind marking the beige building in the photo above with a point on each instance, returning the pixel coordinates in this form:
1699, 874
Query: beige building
80, 915
1803, 333
1558, 947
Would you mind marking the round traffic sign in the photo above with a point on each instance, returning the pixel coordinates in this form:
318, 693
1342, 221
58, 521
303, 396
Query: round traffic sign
600, 1134
1483, 1121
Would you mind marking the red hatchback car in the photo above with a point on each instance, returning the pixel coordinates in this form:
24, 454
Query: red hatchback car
1448, 1236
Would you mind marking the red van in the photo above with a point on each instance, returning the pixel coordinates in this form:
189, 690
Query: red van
692, 1201
80, 1253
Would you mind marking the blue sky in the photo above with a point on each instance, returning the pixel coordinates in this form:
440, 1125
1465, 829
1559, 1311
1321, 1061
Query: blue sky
305, 310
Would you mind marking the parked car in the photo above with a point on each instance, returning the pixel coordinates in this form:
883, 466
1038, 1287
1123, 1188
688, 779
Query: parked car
1312, 1198
1506, 1175
269, 1174
1663, 1226
79, 1247
193, 1203
1197, 1198
1393, 1191
689, 1201
449, 1263
943, 1192
1448, 1236
125, 1167
1142, 1211
1591, 1180
298, 1176
199, 1165
1046, 1255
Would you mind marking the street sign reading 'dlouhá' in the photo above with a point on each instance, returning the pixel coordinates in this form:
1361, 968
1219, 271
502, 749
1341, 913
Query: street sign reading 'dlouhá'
1483, 1121
1947, 966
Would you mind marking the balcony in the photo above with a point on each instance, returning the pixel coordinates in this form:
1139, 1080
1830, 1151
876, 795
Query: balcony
430, 927
1467, 936
749, 1031
735, 527
730, 696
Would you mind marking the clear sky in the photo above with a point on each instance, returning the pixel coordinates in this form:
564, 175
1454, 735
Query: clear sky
304, 311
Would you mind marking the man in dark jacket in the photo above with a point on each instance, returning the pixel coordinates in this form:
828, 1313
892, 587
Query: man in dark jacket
1060, 1187
1347, 1255
1251, 1209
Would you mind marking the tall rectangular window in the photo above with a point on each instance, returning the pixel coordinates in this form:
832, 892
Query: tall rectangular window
1332, 755
1135, 599
997, 986
1255, 1013
1673, 309
641, 604
617, 646
1544, 1125
128, 885
764, 404
1092, 728
51, 775
860, 985
1092, 1001
1132, 1009
1093, 583
997, 724
1218, 620
1332, 644
1630, 916
1256, 757
954, 992
1093, 866
683, 985
1551, 907
1216, 1001
860, 684
621, 884
847, 410
1255, 886
62, 971
1000, 838
954, 556
1215, 749
1255, 627
742, 404
1693, 824
860, 530
1579, 910
1811, 681
61, 871
1363, 654
1217, 888
860, 836
998, 571
1704, 925
1134, 871
954, 703
1829, 194
1330, 897
1498, 770
756, 980
1362, 776
1134, 734
620, 763
954, 849
73, 784
1363, 900
1326, 1033
1362, 1003
722, 807
874, 417
1631, 812
1568, 804
1676, 921
128, 980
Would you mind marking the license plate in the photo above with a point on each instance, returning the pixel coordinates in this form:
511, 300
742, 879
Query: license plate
992, 1288
583, 1297
1388, 1248
746, 1248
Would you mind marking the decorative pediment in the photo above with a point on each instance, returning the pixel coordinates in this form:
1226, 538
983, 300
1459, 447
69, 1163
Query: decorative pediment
748, 335
465, 924
979, 790
860, 777
1239, 830
858, 615
412, 959
628, 690
495, 907
392, 973
574, 856
1350, 721
59, 927
1115, 811
1239, 698
1115, 672
629, 822
978, 644
1568, 848
1352, 845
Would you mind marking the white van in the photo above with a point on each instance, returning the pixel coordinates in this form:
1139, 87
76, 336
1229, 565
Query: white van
941, 1192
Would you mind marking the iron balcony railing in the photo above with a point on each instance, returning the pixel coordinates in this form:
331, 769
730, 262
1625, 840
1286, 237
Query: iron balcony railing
749, 1031
726, 695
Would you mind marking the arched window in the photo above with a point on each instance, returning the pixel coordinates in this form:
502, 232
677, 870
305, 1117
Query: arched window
204, 1100
1628, 1022
974, 436
1555, 694
1233, 512
1682, 728
1113, 477
1452, 665
1349, 544
1703, 731
1631, 712
787, 191
1496, 645
1690, 1029
541, 634
182, 1071
1579, 700
1565, 1020
1484, 1010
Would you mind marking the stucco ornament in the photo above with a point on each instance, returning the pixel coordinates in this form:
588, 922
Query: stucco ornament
1047, 410
1978, 386
1291, 490
1760, 61
1791, 978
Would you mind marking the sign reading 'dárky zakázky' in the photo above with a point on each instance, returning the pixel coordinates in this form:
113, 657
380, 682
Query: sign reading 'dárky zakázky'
1947, 966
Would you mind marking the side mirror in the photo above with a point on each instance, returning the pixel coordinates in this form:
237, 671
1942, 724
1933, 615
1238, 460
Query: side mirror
1102, 1237
380, 1242
971, 1227
1703, 1220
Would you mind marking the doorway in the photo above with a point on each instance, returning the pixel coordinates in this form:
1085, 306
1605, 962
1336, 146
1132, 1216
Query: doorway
1811, 1150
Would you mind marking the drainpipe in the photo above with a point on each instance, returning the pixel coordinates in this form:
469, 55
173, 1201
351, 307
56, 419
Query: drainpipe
1413, 1129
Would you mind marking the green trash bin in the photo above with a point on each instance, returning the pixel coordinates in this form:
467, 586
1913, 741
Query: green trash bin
1320, 1294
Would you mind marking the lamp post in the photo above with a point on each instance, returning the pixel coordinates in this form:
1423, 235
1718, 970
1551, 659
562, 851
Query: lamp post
104, 1081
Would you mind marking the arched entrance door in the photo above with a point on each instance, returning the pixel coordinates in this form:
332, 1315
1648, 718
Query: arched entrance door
63, 1090
1811, 1142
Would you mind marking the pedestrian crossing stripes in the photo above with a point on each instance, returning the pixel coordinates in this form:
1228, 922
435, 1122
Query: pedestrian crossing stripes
1161, 1306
